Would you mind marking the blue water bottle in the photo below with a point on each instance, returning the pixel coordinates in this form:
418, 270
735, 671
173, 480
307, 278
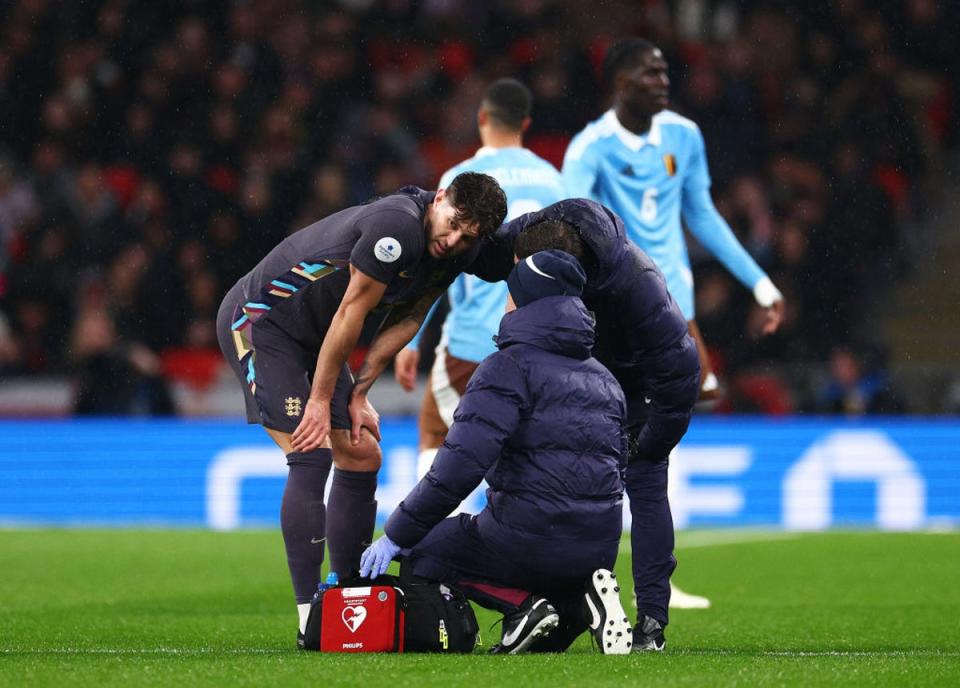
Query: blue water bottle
333, 580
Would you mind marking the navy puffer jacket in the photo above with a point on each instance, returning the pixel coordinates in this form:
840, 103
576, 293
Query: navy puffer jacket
641, 334
542, 421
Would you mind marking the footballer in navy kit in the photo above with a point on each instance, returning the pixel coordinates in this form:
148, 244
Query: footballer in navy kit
289, 325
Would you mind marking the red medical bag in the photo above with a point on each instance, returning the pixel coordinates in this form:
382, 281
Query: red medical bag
357, 619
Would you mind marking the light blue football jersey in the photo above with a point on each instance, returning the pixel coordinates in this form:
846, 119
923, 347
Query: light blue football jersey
650, 180
530, 183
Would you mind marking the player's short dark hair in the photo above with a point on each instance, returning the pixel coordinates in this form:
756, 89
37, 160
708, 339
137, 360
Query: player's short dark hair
508, 102
478, 199
554, 234
625, 54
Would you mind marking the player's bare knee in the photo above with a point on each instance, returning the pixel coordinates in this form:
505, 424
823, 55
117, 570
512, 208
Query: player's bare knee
431, 440
364, 456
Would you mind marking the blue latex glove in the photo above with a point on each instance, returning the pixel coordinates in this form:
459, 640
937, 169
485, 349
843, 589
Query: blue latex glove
377, 557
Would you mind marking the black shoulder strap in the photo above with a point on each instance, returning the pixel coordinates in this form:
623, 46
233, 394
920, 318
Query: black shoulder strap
358, 582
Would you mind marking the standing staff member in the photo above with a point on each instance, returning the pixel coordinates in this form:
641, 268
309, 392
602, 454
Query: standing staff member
642, 339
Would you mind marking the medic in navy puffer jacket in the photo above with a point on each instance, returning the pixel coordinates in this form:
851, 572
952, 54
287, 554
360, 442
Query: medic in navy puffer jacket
641, 334
542, 421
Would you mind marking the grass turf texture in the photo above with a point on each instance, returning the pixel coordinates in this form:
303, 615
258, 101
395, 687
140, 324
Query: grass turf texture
113, 607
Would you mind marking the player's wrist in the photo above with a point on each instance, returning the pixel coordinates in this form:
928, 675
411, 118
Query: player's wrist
766, 293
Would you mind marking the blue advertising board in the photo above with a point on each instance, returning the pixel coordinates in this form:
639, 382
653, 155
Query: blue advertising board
802, 474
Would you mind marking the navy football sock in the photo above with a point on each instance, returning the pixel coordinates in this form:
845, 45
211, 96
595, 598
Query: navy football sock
353, 512
302, 518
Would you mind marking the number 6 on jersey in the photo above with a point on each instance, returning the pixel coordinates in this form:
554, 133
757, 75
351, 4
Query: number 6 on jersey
648, 205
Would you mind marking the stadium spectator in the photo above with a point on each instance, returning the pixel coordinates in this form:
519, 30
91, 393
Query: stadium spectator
113, 375
9, 347
18, 206
542, 420
857, 387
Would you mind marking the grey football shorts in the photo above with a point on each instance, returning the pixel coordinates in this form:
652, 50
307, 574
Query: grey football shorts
276, 373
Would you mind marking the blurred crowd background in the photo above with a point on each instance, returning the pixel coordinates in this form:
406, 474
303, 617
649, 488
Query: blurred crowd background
152, 151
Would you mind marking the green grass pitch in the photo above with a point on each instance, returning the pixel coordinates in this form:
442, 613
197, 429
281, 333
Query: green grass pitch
196, 608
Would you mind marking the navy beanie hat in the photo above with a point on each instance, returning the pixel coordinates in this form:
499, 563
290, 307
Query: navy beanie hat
547, 273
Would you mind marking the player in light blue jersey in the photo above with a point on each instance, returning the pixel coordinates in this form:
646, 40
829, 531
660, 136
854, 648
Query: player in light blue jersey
649, 166
476, 307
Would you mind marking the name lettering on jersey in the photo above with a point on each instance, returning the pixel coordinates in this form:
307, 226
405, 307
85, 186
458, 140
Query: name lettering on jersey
523, 176
293, 406
670, 162
387, 250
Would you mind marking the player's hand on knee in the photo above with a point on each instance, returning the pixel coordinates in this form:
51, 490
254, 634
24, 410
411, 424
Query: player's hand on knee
377, 557
405, 368
314, 426
363, 415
